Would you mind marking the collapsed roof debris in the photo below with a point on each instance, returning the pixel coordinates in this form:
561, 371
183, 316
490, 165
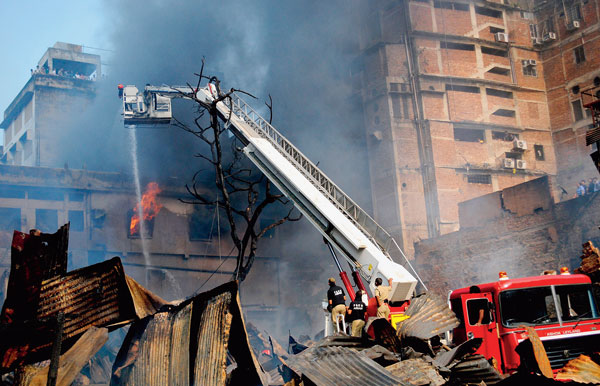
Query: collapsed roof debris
71, 362
582, 369
39, 288
429, 316
201, 341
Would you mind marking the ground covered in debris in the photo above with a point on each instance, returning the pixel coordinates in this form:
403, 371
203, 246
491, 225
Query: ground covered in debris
54, 329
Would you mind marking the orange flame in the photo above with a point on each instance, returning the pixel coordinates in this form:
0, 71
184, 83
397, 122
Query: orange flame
150, 207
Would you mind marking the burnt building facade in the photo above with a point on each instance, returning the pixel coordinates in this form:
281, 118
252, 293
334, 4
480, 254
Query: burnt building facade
464, 98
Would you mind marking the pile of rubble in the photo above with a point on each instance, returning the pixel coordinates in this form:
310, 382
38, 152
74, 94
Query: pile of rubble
54, 329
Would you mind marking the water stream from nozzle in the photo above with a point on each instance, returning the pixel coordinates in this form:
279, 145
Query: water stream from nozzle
138, 192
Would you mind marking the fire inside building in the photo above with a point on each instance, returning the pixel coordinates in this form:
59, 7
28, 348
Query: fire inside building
480, 118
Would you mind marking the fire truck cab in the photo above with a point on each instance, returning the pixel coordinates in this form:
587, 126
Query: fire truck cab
561, 308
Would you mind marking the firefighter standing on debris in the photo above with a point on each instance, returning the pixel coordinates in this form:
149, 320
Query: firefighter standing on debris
336, 299
382, 294
356, 314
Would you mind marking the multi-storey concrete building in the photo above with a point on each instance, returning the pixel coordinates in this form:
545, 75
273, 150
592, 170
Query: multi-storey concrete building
62, 82
463, 98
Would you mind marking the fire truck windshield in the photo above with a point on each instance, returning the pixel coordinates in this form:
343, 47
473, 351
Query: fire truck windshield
546, 305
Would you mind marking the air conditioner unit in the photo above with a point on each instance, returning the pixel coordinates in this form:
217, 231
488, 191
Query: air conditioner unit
573, 25
521, 164
501, 37
519, 144
530, 62
508, 163
549, 36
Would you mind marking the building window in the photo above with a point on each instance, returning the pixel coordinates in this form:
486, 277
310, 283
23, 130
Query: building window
489, 12
76, 220
504, 136
527, 15
504, 113
11, 192
579, 54
449, 5
499, 93
46, 194
469, 135
547, 26
513, 155
533, 31
400, 108
577, 110
457, 46
479, 179
528, 68
10, 219
133, 232
469, 89
494, 51
46, 220
574, 13
539, 152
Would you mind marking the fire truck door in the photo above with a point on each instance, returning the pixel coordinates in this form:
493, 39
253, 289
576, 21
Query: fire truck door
480, 323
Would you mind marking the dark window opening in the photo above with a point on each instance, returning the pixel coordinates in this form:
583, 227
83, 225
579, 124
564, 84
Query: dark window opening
469, 89
574, 13
47, 194
134, 233
499, 71
70, 67
539, 152
400, 107
494, 51
10, 219
457, 46
399, 87
11, 192
504, 136
449, 5
456, 306
504, 113
529, 70
46, 220
76, 196
203, 223
495, 30
489, 12
577, 109
547, 26
513, 155
499, 93
76, 220
478, 308
469, 135
479, 179
579, 54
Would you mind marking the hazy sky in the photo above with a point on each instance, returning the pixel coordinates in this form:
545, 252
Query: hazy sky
28, 28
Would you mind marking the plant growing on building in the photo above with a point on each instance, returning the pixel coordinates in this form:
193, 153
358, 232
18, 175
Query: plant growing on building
243, 192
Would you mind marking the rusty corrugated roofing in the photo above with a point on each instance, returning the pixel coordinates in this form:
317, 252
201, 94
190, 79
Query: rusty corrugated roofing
417, 371
202, 341
333, 366
429, 315
582, 369
97, 295
475, 369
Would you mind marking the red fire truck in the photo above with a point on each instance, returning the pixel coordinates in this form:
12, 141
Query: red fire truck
561, 308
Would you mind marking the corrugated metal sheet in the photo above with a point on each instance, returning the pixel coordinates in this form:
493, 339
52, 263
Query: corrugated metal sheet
70, 363
98, 295
334, 366
582, 369
193, 339
417, 372
474, 369
161, 350
429, 316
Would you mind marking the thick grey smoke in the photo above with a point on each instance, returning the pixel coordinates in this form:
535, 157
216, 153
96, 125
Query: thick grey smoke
299, 52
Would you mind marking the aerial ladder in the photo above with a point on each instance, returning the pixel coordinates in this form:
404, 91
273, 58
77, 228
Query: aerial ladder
346, 228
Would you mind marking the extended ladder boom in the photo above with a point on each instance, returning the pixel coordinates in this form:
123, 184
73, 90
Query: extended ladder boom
342, 222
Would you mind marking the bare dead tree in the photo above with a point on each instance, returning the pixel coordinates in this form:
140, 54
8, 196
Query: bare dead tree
243, 192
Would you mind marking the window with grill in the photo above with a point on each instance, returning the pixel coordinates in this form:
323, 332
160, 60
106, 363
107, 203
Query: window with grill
579, 54
574, 13
528, 69
479, 179
400, 107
